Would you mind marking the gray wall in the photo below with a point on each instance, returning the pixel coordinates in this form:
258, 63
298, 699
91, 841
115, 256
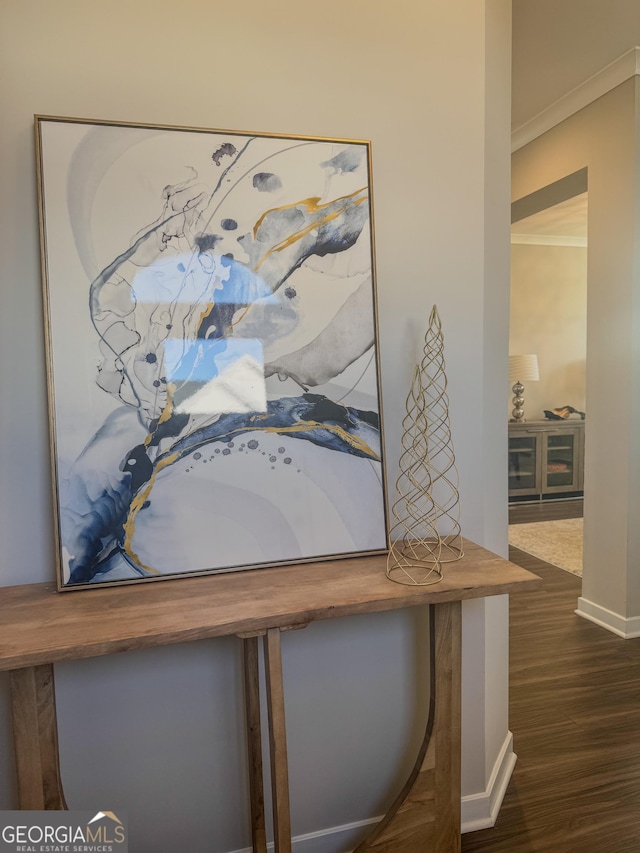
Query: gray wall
158, 732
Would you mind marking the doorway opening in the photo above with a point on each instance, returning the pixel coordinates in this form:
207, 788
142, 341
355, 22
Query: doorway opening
548, 319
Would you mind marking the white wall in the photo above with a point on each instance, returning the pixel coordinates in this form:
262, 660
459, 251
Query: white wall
156, 732
604, 138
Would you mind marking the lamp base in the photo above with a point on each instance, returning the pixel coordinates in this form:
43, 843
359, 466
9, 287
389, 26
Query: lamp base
518, 403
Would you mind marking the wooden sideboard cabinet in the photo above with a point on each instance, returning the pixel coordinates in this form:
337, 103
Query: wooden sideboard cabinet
546, 459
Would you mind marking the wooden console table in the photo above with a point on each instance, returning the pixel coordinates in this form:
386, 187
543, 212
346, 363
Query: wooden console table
39, 626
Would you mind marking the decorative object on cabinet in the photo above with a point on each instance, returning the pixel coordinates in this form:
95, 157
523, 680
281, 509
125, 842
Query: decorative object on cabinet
546, 459
562, 413
426, 528
212, 349
521, 367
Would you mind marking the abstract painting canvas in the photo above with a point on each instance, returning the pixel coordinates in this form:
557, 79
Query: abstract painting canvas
212, 352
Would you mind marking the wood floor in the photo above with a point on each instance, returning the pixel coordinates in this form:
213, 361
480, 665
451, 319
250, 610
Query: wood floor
575, 717
522, 513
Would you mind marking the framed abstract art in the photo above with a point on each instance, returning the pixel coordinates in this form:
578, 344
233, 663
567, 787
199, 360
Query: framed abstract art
212, 352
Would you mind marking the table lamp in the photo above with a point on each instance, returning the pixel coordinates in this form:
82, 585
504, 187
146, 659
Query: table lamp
521, 367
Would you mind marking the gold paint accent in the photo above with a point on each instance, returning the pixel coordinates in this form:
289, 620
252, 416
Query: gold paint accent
358, 443
312, 206
136, 506
208, 308
301, 426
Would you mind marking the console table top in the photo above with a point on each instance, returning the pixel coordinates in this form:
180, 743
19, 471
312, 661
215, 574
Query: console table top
40, 625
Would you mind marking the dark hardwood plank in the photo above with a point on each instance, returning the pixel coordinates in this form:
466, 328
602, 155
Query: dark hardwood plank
524, 513
575, 716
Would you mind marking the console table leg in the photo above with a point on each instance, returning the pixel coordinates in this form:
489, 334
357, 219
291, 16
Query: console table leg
426, 813
35, 737
447, 724
254, 738
277, 741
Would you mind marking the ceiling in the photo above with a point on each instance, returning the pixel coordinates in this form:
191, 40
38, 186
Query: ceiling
558, 44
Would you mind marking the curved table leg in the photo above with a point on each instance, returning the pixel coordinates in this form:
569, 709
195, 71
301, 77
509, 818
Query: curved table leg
35, 736
426, 814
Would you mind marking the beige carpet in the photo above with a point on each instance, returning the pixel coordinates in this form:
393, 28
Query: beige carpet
556, 542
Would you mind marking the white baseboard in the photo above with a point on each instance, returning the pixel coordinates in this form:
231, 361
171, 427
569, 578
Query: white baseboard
335, 839
480, 811
614, 622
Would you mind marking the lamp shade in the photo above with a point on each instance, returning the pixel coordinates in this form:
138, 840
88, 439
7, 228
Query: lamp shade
523, 367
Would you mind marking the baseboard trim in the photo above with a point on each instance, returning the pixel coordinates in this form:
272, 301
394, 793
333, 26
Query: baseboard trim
480, 811
345, 837
624, 627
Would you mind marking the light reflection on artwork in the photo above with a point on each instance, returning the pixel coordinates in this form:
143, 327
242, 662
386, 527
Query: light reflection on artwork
234, 334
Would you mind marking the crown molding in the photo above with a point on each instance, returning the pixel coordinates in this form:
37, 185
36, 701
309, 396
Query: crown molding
617, 72
548, 240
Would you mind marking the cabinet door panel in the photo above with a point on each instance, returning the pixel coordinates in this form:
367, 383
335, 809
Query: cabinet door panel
560, 461
545, 459
523, 465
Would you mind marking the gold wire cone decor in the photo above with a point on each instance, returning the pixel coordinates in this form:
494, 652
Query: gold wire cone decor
425, 529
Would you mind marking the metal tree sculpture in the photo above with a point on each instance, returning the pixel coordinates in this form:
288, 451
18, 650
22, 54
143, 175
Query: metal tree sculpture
425, 528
